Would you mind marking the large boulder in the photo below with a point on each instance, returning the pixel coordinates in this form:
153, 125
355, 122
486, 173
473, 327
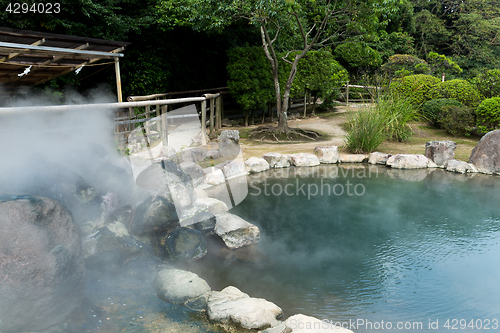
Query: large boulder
408, 161
235, 231
229, 143
212, 205
231, 306
153, 215
256, 164
214, 176
486, 155
277, 160
194, 155
233, 168
460, 166
194, 171
167, 176
353, 158
181, 244
440, 151
378, 158
327, 154
303, 159
42, 272
182, 287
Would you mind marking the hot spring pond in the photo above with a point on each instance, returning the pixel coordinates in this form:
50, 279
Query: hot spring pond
409, 246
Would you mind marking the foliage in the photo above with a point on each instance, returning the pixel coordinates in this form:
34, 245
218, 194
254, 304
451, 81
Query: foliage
488, 115
400, 65
431, 109
488, 83
457, 120
439, 60
355, 55
394, 43
250, 79
395, 114
460, 90
414, 87
365, 132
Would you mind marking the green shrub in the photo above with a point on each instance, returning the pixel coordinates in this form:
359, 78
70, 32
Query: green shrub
460, 90
355, 55
457, 120
488, 84
432, 108
400, 65
488, 115
413, 87
395, 114
365, 132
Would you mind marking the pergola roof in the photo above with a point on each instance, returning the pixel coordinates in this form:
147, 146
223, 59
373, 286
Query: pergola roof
49, 55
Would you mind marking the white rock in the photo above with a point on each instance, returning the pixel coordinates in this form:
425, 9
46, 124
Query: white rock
408, 161
327, 154
378, 158
277, 160
303, 159
182, 287
212, 205
300, 323
459, 166
194, 155
440, 151
353, 158
256, 164
199, 193
194, 171
233, 306
235, 231
169, 153
229, 143
214, 176
233, 168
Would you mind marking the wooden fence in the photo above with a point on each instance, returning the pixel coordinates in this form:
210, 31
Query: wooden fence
359, 96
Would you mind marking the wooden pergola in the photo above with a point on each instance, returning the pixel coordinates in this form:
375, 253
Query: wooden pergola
29, 58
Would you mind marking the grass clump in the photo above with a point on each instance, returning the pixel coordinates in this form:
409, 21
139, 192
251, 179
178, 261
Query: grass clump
388, 120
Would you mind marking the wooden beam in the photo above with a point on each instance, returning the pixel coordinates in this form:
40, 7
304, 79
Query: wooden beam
12, 55
57, 58
58, 50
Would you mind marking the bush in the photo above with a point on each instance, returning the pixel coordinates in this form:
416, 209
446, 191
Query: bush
365, 132
460, 90
488, 84
457, 120
400, 65
488, 115
413, 87
355, 55
432, 108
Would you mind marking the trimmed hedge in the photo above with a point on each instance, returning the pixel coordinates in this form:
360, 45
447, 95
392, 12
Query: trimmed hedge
488, 115
431, 109
457, 120
488, 84
460, 90
414, 87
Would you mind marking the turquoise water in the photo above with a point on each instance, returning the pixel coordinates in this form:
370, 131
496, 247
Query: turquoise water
404, 247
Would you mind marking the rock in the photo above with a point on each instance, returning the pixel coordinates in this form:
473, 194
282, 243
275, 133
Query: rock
459, 166
378, 158
121, 214
169, 153
226, 123
233, 306
281, 328
486, 155
235, 231
214, 176
199, 193
194, 171
212, 205
277, 160
181, 244
182, 287
300, 323
327, 154
256, 164
353, 158
42, 271
107, 262
213, 154
194, 155
205, 222
229, 143
167, 176
233, 168
440, 151
303, 160
432, 164
408, 161
155, 214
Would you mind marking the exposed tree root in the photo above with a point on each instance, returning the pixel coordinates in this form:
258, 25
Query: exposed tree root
274, 134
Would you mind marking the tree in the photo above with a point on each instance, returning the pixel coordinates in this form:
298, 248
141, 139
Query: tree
316, 22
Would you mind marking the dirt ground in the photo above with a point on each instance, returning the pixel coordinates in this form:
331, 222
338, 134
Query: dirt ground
330, 124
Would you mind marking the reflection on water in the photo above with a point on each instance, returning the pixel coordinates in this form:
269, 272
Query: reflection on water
416, 246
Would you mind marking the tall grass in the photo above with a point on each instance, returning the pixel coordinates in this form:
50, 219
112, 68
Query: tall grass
388, 119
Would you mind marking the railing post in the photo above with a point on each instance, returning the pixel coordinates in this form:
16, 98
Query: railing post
212, 115
164, 125
203, 122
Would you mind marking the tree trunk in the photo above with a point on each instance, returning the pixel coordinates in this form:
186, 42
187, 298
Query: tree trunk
246, 119
305, 104
315, 99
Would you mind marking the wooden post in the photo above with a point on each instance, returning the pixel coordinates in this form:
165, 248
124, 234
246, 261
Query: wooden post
212, 115
164, 125
130, 114
221, 108
347, 94
203, 122
148, 109
118, 80
218, 122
